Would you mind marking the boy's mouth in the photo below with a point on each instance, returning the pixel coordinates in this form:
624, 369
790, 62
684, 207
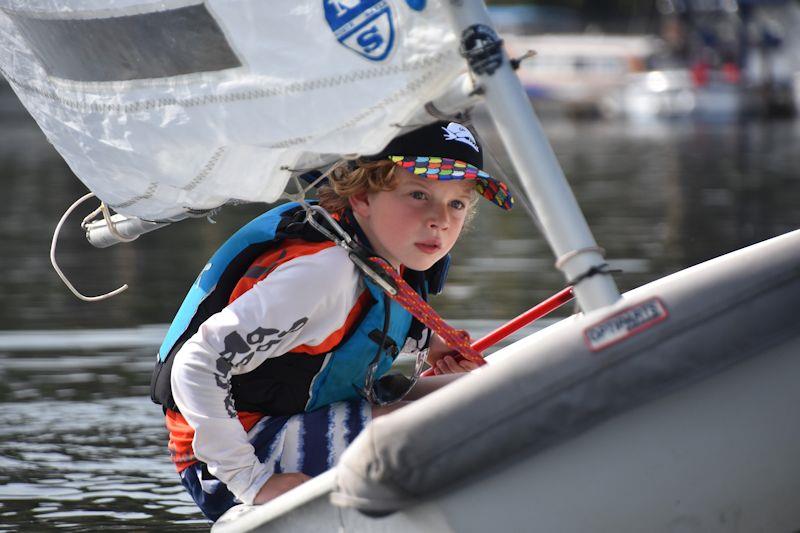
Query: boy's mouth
428, 247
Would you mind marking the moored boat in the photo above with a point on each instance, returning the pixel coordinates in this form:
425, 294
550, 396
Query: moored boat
675, 93
580, 71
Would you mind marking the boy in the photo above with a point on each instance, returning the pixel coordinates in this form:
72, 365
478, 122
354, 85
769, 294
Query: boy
267, 366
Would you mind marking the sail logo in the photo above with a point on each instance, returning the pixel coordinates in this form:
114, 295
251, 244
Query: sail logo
625, 324
364, 26
456, 132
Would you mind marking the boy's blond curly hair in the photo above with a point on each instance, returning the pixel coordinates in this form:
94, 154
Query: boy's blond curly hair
346, 181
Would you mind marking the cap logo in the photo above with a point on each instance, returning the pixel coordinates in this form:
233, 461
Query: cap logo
456, 132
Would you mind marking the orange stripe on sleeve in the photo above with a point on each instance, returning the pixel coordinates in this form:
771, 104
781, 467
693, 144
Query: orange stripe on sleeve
356, 314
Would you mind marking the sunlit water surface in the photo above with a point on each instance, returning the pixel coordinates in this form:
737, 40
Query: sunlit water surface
82, 447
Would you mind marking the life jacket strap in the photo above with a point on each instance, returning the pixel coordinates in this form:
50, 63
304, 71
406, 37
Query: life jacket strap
458, 339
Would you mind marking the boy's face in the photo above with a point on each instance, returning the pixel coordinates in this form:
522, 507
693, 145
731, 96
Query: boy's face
418, 222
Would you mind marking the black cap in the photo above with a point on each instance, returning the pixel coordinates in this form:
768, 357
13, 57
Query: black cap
446, 151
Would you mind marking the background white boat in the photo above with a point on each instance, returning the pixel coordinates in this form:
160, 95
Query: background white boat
580, 70
674, 94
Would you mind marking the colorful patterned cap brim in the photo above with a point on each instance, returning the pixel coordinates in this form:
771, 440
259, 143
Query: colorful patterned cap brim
442, 168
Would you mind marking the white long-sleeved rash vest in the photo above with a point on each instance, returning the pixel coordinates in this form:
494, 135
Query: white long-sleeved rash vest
304, 300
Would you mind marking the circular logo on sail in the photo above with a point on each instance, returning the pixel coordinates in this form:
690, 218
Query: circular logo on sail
364, 26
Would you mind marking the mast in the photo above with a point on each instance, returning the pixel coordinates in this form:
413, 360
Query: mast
577, 254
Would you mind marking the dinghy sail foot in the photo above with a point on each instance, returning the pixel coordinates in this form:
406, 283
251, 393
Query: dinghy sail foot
687, 424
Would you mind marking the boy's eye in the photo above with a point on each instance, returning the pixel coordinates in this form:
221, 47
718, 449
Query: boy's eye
458, 204
418, 195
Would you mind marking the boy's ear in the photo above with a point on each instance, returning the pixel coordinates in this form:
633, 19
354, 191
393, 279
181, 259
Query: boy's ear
359, 203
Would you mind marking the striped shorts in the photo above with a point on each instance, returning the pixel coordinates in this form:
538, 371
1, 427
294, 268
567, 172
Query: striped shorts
308, 442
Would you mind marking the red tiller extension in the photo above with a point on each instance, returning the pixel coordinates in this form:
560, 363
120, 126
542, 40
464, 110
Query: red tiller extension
534, 313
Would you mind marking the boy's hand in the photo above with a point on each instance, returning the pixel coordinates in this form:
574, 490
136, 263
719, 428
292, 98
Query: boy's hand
445, 360
277, 484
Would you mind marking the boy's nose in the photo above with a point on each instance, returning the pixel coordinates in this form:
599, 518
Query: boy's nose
439, 217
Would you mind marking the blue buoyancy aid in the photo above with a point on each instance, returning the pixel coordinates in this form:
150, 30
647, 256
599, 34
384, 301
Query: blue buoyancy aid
293, 382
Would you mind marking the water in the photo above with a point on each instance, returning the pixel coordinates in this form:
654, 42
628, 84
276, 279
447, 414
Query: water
85, 463
82, 447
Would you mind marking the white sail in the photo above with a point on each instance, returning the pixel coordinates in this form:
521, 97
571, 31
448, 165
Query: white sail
163, 108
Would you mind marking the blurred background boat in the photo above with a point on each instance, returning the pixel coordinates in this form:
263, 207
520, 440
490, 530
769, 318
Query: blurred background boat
675, 93
716, 59
580, 71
